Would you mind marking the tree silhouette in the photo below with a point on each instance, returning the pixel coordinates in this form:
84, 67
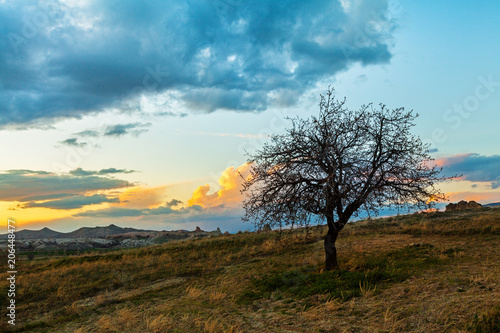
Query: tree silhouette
337, 165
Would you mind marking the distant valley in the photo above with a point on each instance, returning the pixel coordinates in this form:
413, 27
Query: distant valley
88, 238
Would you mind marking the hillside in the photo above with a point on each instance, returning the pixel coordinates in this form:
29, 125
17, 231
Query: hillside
98, 232
35, 234
429, 272
97, 238
84, 232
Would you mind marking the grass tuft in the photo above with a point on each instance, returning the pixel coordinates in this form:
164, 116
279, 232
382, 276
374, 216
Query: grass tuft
488, 322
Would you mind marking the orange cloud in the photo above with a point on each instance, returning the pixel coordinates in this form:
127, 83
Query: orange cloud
481, 197
230, 182
442, 161
143, 197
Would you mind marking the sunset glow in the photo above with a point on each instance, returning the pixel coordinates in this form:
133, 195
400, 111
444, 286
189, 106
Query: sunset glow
153, 129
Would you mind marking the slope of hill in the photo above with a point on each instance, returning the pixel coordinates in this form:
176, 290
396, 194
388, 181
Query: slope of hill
432, 272
98, 238
99, 232
35, 234
85, 232
493, 204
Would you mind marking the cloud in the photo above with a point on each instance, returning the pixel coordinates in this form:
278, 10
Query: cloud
111, 212
87, 133
230, 182
169, 210
73, 202
73, 142
47, 197
122, 129
131, 212
481, 197
143, 197
226, 200
94, 136
70, 59
173, 203
25, 185
473, 167
114, 170
82, 173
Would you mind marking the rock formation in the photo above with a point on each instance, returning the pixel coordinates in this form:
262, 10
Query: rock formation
463, 205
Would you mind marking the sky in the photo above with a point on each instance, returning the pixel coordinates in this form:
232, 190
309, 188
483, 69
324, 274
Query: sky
142, 113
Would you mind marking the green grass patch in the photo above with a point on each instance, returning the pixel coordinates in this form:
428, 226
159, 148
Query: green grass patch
372, 273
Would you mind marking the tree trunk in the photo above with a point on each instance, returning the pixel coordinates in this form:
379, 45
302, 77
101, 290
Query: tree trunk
330, 249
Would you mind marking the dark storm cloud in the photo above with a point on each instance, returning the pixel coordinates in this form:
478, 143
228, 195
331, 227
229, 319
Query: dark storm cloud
474, 167
23, 184
73, 202
58, 61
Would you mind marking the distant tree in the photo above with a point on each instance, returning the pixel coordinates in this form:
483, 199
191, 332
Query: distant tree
337, 165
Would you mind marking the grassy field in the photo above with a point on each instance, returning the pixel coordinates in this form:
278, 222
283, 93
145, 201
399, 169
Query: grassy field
428, 272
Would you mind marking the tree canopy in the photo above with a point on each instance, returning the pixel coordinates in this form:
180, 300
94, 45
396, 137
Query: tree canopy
338, 164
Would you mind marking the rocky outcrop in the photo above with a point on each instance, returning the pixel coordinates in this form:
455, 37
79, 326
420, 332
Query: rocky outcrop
463, 205
69, 244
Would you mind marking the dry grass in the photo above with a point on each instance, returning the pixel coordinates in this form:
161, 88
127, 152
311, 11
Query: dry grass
217, 295
193, 292
366, 289
209, 285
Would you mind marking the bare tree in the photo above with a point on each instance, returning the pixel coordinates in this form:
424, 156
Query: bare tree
337, 165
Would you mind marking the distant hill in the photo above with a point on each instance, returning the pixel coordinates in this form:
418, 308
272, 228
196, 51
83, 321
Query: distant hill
32, 234
494, 204
99, 232
87, 238
85, 232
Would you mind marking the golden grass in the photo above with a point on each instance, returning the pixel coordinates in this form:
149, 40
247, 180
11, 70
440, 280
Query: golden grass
217, 295
195, 286
366, 289
160, 323
193, 292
